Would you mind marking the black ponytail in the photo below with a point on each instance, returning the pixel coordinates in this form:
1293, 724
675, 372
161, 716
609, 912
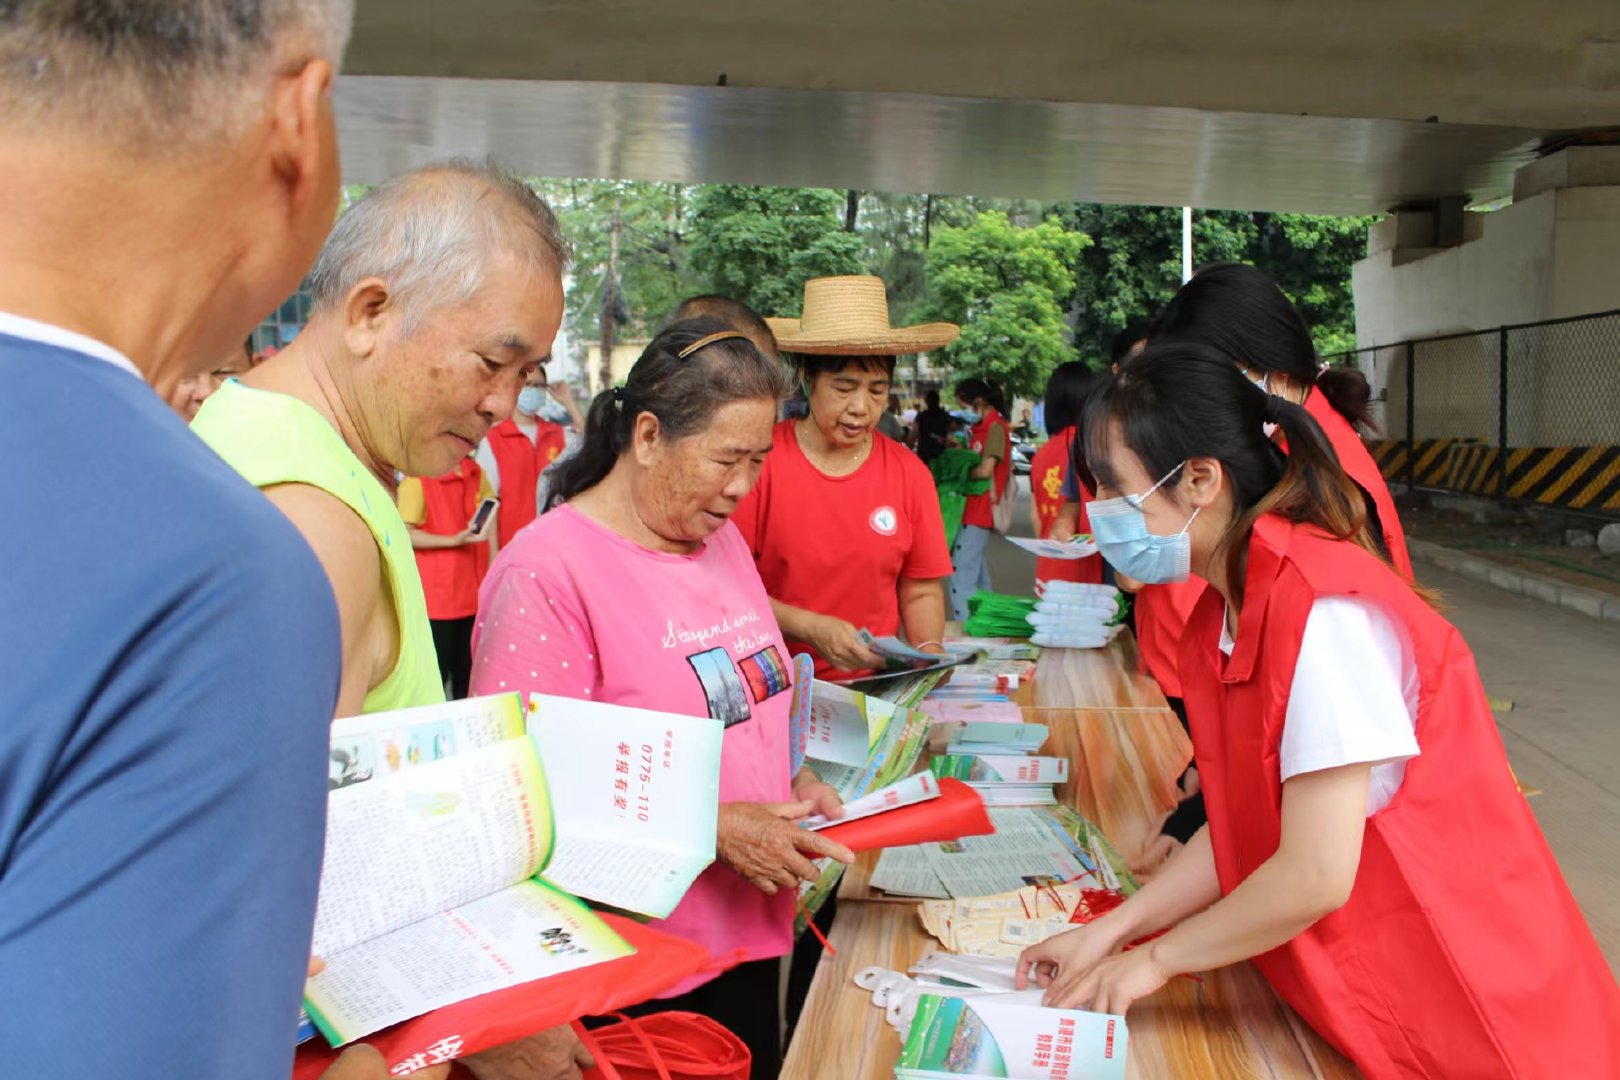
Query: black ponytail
683, 393
1177, 401
598, 451
1241, 314
1348, 391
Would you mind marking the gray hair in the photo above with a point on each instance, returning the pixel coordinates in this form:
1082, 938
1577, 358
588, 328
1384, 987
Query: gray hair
431, 235
183, 70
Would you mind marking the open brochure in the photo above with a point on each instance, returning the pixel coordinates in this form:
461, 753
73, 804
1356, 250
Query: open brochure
444, 877
996, 1035
1081, 547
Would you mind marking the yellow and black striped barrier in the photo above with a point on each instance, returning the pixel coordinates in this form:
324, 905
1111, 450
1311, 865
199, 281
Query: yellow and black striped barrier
1577, 477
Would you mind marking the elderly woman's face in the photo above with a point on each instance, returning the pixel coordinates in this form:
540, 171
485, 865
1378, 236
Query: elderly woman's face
686, 489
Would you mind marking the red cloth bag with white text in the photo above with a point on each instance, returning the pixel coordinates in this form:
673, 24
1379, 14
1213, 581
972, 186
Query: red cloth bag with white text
959, 811
666, 1046
660, 962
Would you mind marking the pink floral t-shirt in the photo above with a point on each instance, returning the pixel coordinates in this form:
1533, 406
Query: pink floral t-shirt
573, 609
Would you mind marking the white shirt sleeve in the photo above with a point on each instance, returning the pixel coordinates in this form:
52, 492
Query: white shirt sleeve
485, 457
1354, 696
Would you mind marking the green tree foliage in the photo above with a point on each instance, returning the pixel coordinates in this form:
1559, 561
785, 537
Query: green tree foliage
653, 271
1134, 267
760, 245
1007, 286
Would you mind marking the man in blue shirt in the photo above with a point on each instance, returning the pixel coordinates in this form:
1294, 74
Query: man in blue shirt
169, 645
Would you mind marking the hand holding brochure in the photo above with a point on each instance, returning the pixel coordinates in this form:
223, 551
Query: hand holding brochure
917, 788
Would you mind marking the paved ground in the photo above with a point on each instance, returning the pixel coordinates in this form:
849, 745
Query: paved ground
1561, 671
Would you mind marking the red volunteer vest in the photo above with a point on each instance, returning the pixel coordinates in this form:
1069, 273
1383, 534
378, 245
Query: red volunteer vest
520, 464
1046, 474
1355, 459
451, 576
1461, 952
1161, 625
979, 509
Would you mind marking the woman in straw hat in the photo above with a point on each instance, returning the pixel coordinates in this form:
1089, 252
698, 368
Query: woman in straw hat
844, 525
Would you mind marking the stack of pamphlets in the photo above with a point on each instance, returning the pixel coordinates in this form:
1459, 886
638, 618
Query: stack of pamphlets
1031, 845
858, 744
1076, 616
984, 737
1004, 925
1012, 1036
1006, 779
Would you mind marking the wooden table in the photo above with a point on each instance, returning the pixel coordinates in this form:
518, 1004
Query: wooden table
1127, 750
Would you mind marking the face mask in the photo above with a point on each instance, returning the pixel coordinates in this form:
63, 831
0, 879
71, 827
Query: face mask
970, 416
1120, 529
531, 399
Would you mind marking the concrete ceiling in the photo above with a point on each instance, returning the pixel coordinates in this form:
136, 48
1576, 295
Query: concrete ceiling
1248, 104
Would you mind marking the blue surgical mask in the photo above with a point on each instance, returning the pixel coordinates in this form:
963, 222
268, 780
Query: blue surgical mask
969, 416
531, 399
1120, 529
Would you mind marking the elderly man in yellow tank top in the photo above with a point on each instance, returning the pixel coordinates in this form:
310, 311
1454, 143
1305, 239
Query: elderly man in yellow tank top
434, 298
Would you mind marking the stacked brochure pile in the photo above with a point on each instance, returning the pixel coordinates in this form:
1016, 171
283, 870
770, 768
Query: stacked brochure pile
857, 744
1075, 616
1006, 779
998, 761
1031, 845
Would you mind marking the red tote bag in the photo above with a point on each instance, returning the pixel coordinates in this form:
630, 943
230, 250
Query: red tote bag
660, 962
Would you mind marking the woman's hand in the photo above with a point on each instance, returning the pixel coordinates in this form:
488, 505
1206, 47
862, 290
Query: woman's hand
840, 644
557, 1054
1061, 961
364, 1063
823, 798
1113, 985
762, 843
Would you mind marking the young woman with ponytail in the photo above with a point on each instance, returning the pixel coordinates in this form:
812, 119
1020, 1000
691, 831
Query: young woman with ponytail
1367, 848
1242, 314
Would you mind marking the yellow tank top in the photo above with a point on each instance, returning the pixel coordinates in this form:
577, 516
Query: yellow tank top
274, 439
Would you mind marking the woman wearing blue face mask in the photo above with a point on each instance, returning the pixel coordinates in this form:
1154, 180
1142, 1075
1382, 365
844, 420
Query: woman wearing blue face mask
1338, 723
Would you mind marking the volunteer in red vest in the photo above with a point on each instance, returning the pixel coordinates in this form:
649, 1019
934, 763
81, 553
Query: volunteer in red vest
989, 437
514, 454
451, 557
1242, 314
1367, 847
844, 525
1066, 394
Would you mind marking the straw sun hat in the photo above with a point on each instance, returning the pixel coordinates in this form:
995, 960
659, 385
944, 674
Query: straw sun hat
849, 316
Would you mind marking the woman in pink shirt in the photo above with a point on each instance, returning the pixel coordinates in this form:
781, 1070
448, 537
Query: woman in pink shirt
636, 589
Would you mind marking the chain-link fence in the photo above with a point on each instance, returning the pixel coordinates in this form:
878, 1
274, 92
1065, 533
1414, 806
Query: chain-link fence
1526, 413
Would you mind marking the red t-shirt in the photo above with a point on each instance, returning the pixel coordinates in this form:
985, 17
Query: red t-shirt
839, 545
980, 509
1046, 483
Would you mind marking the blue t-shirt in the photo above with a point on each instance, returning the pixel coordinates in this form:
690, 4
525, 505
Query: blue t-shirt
169, 664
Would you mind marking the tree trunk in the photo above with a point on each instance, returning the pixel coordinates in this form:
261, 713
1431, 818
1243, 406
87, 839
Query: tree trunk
852, 207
